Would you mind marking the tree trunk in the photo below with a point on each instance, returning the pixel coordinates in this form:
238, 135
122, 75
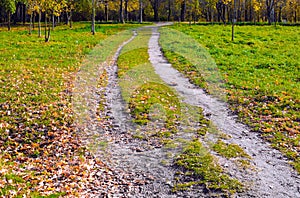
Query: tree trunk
246, 18
207, 15
155, 5
219, 6
224, 13
19, 13
275, 15
141, 11
270, 11
39, 25
121, 15
48, 36
9, 21
106, 11
33, 21
279, 14
30, 24
67, 18
46, 27
183, 11
233, 20
229, 19
53, 21
238, 11
93, 17
126, 10
70, 19
250, 12
169, 10
156, 18
24, 14
47, 32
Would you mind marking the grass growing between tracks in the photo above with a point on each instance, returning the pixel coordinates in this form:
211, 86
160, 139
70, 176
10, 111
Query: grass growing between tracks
229, 150
199, 163
261, 72
149, 100
147, 95
38, 145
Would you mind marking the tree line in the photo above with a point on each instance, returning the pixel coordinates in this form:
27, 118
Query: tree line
226, 11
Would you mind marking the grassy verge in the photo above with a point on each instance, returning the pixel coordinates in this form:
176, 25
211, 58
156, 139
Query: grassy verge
261, 76
229, 150
38, 145
186, 67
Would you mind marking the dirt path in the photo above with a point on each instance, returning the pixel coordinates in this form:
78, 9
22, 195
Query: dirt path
134, 167
137, 162
129, 156
273, 176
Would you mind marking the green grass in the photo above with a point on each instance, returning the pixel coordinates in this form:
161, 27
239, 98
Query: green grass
134, 68
260, 72
127, 62
229, 150
35, 102
186, 67
158, 98
147, 96
200, 164
33, 74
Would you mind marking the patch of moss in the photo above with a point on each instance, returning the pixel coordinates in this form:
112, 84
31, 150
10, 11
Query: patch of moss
229, 150
242, 163
202, 131
297, 165
139, 136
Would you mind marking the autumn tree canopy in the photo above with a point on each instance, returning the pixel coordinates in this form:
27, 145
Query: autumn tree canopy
16, 11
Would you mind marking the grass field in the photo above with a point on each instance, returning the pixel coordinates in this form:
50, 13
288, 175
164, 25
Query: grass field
260, 71
37, 140
36, 135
